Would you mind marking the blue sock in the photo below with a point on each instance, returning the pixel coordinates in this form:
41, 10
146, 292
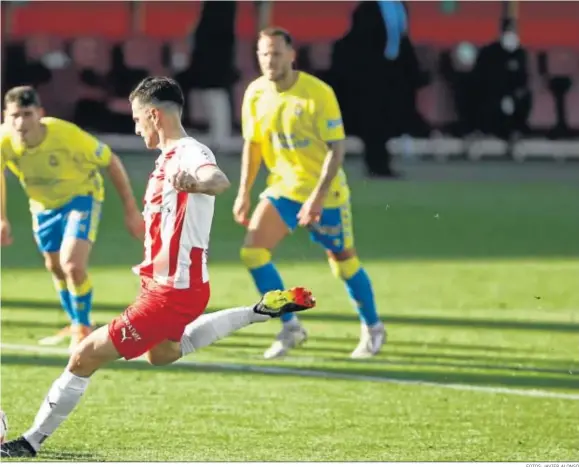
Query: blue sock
267, 278
360, 289
65, 300
81, 298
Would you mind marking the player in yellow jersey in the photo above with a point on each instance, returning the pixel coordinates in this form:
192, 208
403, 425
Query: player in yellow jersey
58, 165
292, 122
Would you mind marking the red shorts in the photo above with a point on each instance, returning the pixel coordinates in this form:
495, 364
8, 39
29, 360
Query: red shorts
159, 313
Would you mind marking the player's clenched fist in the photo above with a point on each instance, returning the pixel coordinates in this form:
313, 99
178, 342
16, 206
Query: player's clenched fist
241, 208
184, 181
5, 233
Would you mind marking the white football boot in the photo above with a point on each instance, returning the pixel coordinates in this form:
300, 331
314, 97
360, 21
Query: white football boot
371, 341
291, 336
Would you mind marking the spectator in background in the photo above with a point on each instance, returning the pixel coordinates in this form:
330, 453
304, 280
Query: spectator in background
91, 111
91, 60
212, 67
501, 85
22, 69
375, 75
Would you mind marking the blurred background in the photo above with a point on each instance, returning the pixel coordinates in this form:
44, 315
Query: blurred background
435, 79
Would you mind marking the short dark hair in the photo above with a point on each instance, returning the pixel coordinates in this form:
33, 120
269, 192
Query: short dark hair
24, 96
278, 32
158, 89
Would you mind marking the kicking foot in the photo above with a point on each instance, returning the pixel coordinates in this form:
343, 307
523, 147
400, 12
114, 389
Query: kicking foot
371, 341
279, 302
17, 448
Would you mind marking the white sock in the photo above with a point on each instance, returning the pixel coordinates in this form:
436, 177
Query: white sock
211, 327
60, 401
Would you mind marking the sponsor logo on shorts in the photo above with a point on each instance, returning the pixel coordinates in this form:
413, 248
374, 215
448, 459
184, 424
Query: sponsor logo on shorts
128, 332
330, 231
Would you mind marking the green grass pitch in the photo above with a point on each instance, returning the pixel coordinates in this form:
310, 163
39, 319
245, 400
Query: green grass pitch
477, 282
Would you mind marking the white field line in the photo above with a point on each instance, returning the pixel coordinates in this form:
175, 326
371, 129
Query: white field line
273, 370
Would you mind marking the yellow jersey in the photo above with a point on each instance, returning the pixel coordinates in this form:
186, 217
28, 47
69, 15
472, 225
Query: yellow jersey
66, 164
294, 128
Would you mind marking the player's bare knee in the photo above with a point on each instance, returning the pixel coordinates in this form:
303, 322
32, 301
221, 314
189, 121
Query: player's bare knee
84, 361
74, 271
163, 355
54, 268
342, 255
156, 359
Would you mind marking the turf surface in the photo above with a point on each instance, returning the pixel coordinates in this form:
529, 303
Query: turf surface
477, 281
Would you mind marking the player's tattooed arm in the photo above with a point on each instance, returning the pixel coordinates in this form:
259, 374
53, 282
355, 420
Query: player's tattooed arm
208, 179
211, 180
332, 163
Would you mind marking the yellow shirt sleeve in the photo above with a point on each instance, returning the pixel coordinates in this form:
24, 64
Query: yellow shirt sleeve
5, 148
94, 151
329, 118
249, 123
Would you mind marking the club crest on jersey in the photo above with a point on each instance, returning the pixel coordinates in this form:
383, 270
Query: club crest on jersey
52, 160
298, 110
100, 149
334, 123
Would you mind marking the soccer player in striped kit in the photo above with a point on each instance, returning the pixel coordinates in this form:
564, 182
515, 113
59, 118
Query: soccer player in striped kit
165, 321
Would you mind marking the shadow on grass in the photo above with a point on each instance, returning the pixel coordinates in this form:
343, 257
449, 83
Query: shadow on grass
323, 372
415, 320
392, 355
457, 322
49, 455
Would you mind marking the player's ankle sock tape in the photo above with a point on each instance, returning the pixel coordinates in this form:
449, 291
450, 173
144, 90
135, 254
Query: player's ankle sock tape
81, 299
81, 289
254, 258
65, 300
345, 269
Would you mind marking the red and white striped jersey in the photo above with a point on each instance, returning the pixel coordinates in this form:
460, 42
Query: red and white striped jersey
178, 224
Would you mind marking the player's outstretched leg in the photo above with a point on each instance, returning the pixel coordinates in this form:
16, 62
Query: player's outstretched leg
212, 327
359, 287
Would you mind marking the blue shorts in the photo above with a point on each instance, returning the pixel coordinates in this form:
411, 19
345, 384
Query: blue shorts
79, 218
334, 231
